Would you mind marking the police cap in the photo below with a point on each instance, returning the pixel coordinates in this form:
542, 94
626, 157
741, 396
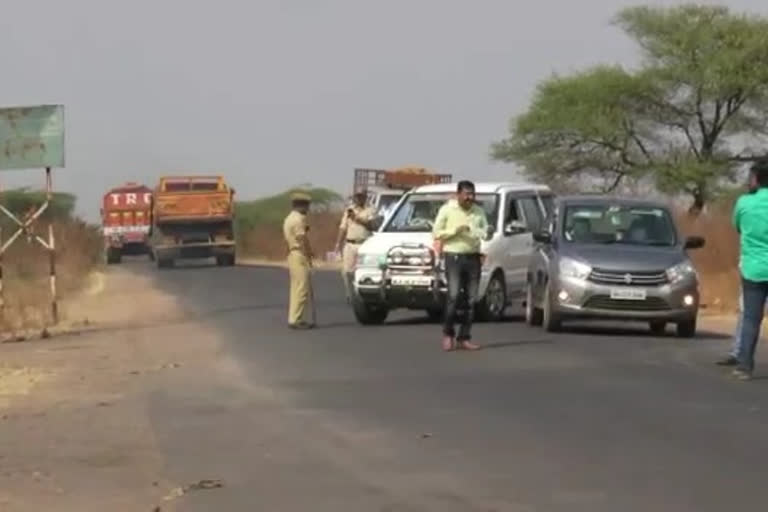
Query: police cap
301, 197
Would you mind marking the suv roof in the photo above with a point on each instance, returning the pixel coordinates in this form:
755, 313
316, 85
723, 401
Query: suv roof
483, 188
598, 200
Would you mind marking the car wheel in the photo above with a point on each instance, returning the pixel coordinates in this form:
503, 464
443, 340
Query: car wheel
658, 327
550, 319
435, 314
533, 315
687, 328
494, 303
367, 314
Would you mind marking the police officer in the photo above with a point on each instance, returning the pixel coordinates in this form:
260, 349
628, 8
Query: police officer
295, 231
356, 226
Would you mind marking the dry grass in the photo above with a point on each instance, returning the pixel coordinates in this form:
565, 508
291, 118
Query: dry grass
267, 242
717, 262
25, 265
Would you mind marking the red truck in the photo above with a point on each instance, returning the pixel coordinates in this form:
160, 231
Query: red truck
126, 218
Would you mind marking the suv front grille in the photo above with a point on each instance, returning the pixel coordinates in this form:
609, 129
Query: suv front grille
606, 302
614, 277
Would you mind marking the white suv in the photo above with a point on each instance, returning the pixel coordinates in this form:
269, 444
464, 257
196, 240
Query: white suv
397, 269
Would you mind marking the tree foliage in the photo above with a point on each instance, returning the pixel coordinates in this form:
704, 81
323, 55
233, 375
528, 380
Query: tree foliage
20, 201
687, 118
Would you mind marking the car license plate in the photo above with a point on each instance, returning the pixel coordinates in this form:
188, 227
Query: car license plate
411, 280
628, 294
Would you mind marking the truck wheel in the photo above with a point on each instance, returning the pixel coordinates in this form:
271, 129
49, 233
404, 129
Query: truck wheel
687, 328
113, 256
491, 307
550, 319
225, 260
367, 314
533, 316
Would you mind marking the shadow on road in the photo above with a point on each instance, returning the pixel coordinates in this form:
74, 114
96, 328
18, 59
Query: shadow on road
515, 343
633, 332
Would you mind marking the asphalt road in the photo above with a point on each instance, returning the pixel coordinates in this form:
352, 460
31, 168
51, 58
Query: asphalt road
380, 419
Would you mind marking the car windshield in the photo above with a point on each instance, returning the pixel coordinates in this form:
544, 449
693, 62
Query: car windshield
417, 213
618, 224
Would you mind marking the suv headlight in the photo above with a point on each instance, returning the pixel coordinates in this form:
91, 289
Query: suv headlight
367, 260
681, 271
574, 269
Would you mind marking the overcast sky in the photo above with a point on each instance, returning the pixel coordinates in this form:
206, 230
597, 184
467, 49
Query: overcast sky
278, 93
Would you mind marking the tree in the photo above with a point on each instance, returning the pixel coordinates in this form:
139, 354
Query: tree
686, 118
581, 127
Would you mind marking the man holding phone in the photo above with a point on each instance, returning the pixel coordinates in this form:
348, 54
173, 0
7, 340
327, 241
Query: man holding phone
356, 227
460, 227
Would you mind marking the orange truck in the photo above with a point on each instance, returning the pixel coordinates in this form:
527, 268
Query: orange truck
193, 217
126, 220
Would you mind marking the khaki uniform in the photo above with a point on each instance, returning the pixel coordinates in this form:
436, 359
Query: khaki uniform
356, 234
295, 230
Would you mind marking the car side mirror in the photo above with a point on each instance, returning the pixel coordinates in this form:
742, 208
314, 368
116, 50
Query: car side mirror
694, 242
515, 227
543, 237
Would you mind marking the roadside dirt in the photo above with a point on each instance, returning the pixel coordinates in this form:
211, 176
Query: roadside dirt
75, 429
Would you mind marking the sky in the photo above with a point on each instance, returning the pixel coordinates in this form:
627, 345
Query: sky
278, 93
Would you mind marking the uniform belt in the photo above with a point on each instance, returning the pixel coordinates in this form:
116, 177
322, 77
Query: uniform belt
355, 241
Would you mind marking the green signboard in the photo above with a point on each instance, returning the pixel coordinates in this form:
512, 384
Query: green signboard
32, 137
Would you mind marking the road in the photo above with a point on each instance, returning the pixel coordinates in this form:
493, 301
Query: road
379, 419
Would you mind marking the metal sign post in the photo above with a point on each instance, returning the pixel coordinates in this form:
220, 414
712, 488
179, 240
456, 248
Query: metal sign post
32, 137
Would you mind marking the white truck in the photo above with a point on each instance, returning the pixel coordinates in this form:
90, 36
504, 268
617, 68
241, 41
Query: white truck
399, 268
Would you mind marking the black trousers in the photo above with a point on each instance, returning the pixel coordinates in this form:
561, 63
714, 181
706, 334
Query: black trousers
462, 273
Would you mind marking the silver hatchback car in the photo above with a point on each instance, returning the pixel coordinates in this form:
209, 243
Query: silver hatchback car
612, 259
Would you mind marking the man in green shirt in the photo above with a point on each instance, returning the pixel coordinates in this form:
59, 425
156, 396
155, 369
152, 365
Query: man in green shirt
750, 218
460, 227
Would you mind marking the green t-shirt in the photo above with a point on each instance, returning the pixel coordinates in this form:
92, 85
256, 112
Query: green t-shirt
750, 218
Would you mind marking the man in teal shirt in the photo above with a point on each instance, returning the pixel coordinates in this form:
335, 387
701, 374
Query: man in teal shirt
750, 218
461, 226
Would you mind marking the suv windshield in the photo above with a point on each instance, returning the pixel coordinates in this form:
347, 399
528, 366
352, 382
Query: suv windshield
618, 224
417, 213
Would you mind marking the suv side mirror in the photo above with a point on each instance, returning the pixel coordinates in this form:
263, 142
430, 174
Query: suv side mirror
515, 227
544, 237
694, 242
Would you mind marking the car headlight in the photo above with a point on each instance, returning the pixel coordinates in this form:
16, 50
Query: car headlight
367, 260
574, 269
681, 271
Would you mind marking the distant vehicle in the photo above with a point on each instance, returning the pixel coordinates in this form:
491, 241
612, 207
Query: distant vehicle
399, 266
613, 258
385, 187
126, 220
193, 217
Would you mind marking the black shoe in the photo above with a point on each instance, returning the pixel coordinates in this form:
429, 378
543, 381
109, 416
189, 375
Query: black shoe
728, 361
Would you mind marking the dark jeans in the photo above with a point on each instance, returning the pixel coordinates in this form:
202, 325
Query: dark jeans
754, 294
462, 272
